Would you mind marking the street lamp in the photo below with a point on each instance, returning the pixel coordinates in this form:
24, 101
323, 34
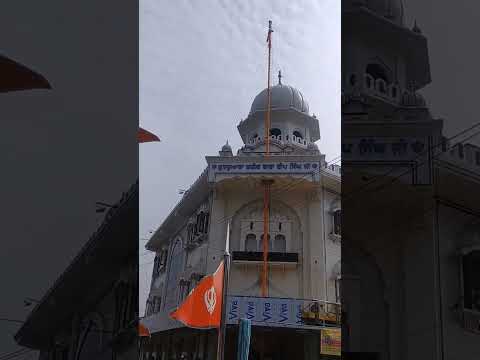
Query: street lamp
28, 301
101, 206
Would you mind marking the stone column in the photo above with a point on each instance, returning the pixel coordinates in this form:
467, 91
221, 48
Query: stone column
217, 233
314, 251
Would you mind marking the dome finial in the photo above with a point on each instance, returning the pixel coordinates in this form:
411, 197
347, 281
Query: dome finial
279, 77
416, 28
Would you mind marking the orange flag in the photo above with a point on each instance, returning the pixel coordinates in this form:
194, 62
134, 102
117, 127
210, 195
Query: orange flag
146, 136
143, 330
203, 306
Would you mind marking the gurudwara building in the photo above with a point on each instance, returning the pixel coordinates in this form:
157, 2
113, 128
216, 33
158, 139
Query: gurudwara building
304, 240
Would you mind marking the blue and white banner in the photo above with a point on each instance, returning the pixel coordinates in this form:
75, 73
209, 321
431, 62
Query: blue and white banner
273, 312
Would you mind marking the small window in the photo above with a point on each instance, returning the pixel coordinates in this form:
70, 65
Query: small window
163, 257
148, 308
368, 82
207, 218
251, 242
444, 144
251, 225
460, 150
201, 222
279, 226
394, 92
471, 280
353, 80
190, 232
338, 294
381, 87
298, 134
157, 304
337, 222
156, 265
280, 243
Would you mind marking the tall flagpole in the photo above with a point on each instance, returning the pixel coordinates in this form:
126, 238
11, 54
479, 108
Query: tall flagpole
226, 274
267, 183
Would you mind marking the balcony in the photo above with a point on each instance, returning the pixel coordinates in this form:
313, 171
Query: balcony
256, 257
471, 320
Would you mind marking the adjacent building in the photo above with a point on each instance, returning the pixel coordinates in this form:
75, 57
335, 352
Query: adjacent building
91, 311
304, 240
411, 199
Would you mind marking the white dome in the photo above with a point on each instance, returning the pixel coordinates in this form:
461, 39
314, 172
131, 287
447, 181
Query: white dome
283, 97
226, 147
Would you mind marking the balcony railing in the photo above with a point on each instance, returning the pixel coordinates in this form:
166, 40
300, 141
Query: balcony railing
319, 312
471, 320
273, 257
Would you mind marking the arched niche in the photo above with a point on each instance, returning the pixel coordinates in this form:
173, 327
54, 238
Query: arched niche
363, 291
248, 221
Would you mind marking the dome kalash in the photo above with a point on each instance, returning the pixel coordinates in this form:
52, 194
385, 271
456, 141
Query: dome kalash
291, 123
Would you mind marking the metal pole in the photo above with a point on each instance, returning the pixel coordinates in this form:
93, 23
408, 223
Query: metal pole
223, 323
269, 97
266, 195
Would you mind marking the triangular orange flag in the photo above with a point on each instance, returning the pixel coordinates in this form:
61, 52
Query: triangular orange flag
203, 306
146, 136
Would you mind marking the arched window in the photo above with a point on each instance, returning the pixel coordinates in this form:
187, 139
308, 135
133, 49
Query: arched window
174, 271
280, 243
207, 218
156, 265
460, 150
353, 80
147, 308
251, 242
275, 132
337, 222
200, 222
158, 301
298, 134
377, 71
190, 232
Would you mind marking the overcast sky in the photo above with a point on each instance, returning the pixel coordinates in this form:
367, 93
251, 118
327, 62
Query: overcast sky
201, 67
451, 29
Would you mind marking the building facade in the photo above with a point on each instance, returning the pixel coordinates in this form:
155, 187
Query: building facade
70, 323
304, 242
410, 245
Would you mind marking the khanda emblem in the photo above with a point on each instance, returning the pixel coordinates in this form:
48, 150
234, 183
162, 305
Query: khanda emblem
210, 298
